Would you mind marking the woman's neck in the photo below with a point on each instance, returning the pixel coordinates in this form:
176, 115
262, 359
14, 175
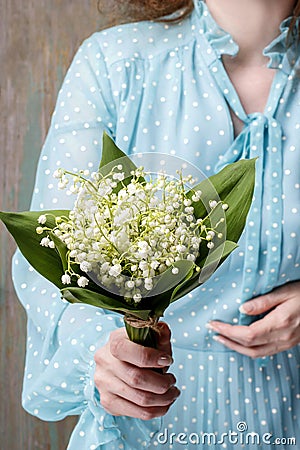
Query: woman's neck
253, 24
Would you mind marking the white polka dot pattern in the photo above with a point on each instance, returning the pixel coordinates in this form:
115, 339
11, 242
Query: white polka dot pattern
162, 88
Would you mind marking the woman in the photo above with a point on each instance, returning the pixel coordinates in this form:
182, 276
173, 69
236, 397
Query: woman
215, 87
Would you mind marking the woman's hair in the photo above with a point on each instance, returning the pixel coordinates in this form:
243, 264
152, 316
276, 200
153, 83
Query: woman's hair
125, 10
296, 21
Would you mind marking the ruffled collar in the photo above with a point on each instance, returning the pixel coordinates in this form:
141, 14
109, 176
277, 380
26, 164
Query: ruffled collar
280, 52
221, 41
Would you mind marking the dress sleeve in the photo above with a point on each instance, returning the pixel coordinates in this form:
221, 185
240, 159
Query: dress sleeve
62, 337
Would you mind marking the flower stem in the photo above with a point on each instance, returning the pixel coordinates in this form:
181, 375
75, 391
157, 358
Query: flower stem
146, 336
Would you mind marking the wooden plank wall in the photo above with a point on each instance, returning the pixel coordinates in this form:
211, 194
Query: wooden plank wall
37, 41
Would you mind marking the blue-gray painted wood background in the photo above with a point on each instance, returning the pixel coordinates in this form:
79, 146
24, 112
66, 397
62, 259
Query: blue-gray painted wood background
37, 41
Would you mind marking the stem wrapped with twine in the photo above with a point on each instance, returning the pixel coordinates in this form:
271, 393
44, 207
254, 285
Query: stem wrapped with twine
143, 332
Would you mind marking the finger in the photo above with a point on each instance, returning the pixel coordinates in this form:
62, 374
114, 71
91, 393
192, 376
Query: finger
266, 302
280, 324
146, 379
164, 338
125, 350
258, 333
260, 305
118, 406
141, 397
136, 377
259, 351
285, 341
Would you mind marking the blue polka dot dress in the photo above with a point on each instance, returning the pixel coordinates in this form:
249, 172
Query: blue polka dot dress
162, 88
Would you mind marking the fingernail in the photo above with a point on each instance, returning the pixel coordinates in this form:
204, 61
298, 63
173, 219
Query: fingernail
217, 338
176, 393
165, 360
209, 326
245, 309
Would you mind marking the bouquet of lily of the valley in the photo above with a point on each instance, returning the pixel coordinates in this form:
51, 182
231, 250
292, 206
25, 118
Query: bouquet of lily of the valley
133, 242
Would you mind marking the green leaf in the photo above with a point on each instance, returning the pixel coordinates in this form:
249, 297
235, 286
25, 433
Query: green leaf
22, 226
61, 248
83, 295
110, 151
168, 280
182, 284
112, 155
234, 186
160, 296
214, 260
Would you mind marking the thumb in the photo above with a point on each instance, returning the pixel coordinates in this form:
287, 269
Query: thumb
261, 304
163, 339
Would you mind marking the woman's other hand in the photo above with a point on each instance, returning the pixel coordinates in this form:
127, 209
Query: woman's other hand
277, 331
126, 382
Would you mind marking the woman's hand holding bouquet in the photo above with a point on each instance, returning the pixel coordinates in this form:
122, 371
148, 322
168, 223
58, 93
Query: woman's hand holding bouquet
134, 243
